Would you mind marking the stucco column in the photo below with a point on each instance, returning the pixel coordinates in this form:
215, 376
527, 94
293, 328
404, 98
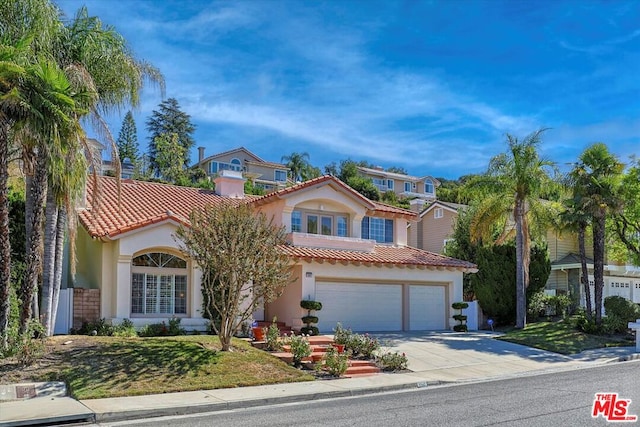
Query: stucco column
122, 296
286, 218
356, 226
400, 231
195, 290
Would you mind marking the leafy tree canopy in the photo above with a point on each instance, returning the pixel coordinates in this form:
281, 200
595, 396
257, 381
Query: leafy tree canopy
170, 119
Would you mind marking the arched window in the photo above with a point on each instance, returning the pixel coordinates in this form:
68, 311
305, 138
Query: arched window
236, 165
158, 284
428, 186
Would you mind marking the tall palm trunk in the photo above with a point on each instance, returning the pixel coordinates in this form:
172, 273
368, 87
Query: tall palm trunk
599, 220
36, 194
57, 278
48, 261
521, 270
585, 271
5, 243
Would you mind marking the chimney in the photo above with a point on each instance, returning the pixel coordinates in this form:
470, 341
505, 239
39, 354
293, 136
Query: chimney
230, 184
200, 154
416, 205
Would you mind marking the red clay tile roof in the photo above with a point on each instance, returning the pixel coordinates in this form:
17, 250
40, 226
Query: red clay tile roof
382, 254
143, 203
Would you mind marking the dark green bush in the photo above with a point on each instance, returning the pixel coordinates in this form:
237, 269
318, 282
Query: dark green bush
622, 308
311, 305
460, 328
460, 317
460, 305
310, 319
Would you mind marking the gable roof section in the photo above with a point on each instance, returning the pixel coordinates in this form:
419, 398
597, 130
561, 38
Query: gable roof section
372, 207
399, 176
234, 150
142, 204
570, 260
403, 256
452, 207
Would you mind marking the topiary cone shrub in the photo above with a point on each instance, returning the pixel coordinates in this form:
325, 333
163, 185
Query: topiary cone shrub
460, 318
309, 320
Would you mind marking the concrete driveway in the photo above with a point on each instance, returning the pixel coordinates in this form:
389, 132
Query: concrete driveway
450, 356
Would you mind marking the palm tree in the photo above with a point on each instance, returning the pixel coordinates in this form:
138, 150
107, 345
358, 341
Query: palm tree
575, 218
96, 58
516, 179
596, 175
298, 164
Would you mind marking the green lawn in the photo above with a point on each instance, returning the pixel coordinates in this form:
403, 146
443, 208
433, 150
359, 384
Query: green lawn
561, 337
96, 367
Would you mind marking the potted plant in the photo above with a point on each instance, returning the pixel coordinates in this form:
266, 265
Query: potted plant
259, 332
309, 320
341, 337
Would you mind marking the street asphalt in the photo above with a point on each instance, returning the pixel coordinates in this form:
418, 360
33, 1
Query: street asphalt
434, 358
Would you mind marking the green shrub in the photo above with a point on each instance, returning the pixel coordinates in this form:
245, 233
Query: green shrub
31, 346
300, 348
341, 335
125, 329
460, 317
459, 305
98, 327
559, 304
362, 346
392, 361
622, 308
162, 329
273, 337
335, 363
311, 305
588, 326
460, 328
310, 319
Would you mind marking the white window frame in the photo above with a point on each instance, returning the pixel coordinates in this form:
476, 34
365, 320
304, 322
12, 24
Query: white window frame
438, 213
429, 186
407, 187
304, 218
275, 175
390, 184
156, 274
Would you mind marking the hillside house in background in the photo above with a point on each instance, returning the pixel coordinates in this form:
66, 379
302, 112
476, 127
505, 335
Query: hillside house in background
403, 185
266, 175
435, 228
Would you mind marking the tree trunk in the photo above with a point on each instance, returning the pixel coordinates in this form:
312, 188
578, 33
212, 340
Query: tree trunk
585, 270
598, 260
521, 301
37, 191
57, 278
5, 243
48, 261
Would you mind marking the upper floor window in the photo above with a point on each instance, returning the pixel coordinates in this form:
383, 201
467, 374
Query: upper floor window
213, 167
378, 229
236, 165
438, 213
327, 224
280, 175
390, 184
428, 186
407, 187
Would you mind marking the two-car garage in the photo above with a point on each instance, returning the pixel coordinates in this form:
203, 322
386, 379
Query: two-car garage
381, 306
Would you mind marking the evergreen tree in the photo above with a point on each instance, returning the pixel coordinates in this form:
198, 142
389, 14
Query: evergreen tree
169, 119
128, 141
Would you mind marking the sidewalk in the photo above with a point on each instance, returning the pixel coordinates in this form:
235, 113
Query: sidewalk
434, 358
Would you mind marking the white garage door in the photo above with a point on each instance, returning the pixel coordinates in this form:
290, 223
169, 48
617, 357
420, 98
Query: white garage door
426, 308
361, 307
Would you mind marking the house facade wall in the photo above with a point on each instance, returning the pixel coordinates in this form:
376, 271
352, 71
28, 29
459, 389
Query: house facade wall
435, 231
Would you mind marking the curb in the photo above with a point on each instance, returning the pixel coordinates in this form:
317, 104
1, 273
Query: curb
627, 358
213, 407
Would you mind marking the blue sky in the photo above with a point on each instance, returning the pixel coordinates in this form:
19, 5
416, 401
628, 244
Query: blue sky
431, 86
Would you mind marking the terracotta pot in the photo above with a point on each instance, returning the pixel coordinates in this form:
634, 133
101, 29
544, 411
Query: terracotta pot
258, 334
316, 358
339, 347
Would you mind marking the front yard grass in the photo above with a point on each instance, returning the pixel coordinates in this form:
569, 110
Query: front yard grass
560, 336
97, 367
